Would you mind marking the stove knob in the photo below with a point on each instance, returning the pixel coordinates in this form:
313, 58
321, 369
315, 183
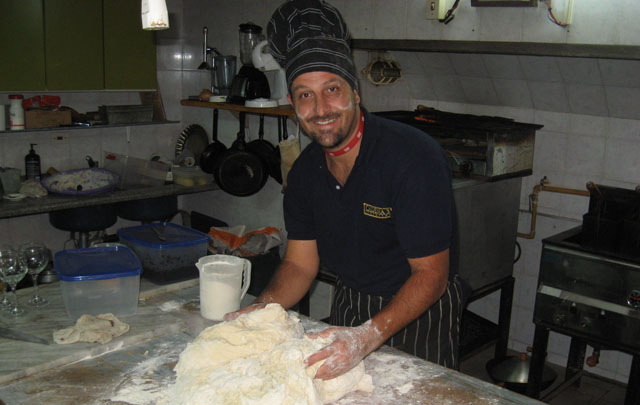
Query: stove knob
560, 318
634, 299
585, 323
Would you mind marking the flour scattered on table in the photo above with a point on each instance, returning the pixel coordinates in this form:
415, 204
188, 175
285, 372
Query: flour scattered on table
170, 306
258, 358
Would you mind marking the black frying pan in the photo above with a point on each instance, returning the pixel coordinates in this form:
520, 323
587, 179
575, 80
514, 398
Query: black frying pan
267, 152
239, 171
211, 155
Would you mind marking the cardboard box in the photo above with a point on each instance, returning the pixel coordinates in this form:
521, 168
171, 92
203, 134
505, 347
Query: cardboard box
46, 119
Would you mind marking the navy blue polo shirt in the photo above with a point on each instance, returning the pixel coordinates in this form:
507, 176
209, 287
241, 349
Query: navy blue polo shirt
396, 204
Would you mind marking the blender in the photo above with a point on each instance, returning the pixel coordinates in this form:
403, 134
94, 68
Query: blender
250, 83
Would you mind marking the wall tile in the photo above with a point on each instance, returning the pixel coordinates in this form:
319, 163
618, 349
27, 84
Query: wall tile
503, 66
388, 19
540, 68
622, 161
500, 23
408, 61
536, 27
589, 125
623, 102
170, 83
418, 27
587, 99
549, 96
359, 16
448, 88
512, 93
479, 90
420, 87
465, 25
521, 328
579, 70
586, 16
553, 121
468, 64
550, 150
621, 73
620, 128
169, 54
628, 29
434, 63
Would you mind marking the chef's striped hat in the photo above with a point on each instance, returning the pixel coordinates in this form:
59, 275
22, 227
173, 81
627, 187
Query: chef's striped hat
311, 36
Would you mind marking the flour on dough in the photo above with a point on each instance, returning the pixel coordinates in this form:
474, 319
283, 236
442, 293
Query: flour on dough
258, 358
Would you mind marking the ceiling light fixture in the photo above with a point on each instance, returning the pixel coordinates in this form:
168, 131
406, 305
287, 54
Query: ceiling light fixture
154, 15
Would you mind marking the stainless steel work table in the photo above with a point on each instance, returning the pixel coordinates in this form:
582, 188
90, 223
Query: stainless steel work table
137, 367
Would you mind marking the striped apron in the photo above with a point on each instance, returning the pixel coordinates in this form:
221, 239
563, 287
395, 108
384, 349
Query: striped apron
433, 336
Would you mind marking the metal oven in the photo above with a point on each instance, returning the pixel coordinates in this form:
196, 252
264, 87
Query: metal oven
589, 286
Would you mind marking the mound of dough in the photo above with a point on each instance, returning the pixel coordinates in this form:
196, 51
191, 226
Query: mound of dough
258, 359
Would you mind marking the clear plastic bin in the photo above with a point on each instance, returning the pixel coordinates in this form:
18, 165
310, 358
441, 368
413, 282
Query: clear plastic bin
168, 259
135, 172
99, 280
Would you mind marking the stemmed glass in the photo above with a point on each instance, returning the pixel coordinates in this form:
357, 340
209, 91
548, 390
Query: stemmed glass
35, 257
5, 304
13, 270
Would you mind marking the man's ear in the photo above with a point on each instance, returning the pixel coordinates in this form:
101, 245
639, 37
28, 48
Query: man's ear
289, 98
357, 96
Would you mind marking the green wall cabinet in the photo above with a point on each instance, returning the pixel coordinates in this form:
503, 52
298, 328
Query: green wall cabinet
21, 45
129, 51
67, 45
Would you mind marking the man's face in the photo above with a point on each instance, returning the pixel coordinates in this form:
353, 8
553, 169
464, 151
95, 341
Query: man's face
326, 107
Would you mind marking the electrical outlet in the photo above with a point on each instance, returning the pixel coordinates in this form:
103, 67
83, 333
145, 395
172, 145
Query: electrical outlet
436, 9
59, 139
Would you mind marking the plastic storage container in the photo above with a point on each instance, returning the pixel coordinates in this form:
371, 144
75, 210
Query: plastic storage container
135, 172
168, 252
127, 114
190, 176
99, 280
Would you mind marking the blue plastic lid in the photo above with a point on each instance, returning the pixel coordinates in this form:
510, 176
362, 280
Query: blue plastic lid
100, 263
175, 235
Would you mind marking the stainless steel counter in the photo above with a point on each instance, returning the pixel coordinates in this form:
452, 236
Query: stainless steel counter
137, 367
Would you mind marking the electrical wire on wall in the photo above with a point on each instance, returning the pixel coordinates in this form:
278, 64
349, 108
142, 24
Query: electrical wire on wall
449, 15
551, 16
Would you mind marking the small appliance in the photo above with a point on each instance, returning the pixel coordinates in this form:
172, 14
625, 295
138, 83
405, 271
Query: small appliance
265, 62
250, 83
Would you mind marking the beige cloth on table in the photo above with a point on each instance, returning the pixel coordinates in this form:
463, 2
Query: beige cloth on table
89, 328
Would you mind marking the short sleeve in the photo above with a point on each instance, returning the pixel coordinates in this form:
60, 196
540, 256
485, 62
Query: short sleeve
297, 207
423, 206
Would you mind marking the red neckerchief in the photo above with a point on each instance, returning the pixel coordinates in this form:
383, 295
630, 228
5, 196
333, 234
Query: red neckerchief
353, 141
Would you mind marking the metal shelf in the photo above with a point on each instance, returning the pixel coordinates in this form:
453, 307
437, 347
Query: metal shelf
276, 111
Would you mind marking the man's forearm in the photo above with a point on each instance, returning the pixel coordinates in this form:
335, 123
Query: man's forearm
287, 286
424, 287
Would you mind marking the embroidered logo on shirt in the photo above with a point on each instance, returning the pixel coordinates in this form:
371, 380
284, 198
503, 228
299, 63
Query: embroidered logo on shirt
376, 212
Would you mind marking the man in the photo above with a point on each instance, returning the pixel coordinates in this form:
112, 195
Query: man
370, 198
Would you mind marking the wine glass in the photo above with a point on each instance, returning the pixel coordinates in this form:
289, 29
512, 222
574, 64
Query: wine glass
35, 256
13, 270
5, 304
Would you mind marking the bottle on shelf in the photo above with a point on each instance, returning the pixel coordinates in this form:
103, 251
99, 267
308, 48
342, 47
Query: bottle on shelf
32, 164
16, 112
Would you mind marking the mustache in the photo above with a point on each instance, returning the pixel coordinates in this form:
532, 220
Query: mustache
322, 117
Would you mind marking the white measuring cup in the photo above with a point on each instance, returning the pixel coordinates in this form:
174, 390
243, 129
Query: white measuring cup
224, 281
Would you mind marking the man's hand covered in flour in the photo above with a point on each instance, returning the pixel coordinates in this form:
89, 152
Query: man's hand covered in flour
249, 308
348, 348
